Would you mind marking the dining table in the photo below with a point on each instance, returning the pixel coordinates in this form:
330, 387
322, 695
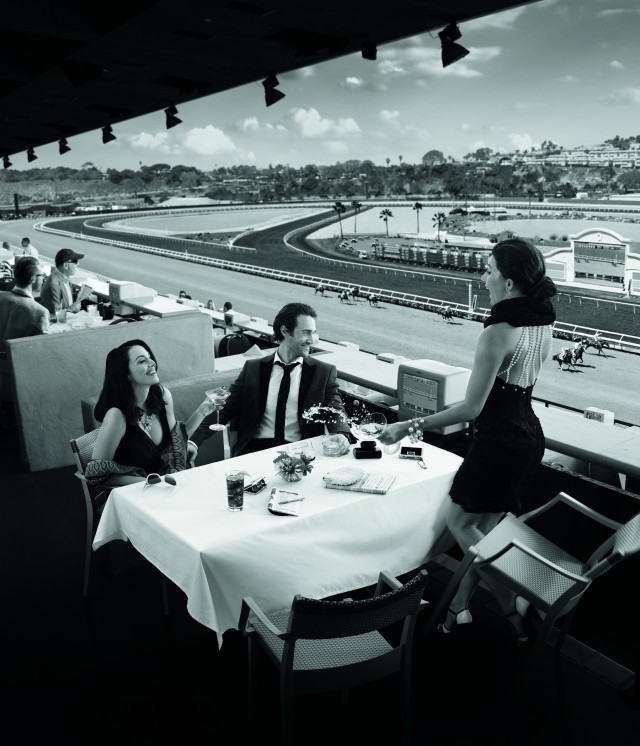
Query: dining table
339, 541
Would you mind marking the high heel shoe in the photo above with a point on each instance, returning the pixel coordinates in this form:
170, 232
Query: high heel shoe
456, 618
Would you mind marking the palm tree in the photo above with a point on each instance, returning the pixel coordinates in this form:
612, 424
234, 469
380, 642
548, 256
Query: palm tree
357, 206
340, 208
385, 215
388, 160
439, 220
417, 207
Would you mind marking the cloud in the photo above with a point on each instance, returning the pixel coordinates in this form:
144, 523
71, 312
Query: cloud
426, 60
522, 141
209, 140
389, 116
250, 124
616, 65
309, 124
159, 142
504, 20
302, 74
609, 12
567, 79
621, 96
352, 82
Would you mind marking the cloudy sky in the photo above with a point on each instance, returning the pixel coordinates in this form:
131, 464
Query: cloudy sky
560, 70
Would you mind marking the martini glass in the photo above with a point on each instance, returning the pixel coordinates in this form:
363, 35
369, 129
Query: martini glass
217, 397
369, 427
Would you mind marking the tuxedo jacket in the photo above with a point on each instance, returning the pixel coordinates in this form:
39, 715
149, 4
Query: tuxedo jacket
248, 397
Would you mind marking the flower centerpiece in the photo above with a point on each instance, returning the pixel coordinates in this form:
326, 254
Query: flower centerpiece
292, 468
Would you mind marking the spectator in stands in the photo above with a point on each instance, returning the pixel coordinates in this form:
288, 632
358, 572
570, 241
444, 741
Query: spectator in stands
508, 443
228, 312
211, 306
20, 314
28, 249
266, 414
183, 294
6, 246
57, 292
139, 434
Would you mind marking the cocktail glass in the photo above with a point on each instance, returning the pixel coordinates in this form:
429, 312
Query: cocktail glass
217, 397
369, 427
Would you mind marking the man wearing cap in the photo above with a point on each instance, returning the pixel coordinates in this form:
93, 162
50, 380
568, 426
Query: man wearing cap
57, 292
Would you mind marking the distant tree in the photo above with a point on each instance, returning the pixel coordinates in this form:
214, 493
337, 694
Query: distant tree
439, 219
433, 158
357, 206
400, 159
385, 215
340, 208
417, 207
388, 160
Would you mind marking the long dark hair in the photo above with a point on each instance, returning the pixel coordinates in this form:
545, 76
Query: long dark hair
522, 262
116, 389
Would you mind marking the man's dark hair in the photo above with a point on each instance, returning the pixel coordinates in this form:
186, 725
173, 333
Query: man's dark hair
25, 269
288, 317
27, 239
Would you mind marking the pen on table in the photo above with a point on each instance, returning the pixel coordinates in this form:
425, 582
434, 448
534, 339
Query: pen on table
294, 500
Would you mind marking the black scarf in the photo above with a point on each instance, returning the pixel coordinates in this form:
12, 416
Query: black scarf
522, 311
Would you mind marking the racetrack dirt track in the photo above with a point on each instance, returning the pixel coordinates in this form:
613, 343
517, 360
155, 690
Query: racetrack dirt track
610, 383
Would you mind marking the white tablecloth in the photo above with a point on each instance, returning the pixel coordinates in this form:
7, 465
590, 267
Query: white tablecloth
339, 542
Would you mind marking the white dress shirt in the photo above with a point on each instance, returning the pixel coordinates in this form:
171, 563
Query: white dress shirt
266, 428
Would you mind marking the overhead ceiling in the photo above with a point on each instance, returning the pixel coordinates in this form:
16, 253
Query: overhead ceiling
70, 67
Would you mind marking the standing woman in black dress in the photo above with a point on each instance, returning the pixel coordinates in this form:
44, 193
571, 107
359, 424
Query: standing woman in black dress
508, 442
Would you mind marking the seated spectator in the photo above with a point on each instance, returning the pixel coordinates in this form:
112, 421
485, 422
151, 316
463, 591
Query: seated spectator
57, 292
20, 314
268, 398
228, 311
139, 434
183, 294
28, 249
211, 305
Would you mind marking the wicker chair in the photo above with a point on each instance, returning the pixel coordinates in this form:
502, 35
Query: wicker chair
551, 576
327, 645
94, 497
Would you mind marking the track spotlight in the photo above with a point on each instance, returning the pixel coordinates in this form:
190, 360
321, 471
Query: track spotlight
170, 113
271, 94
6, 162
31, 156
451, 52
107, 134
369, 50
62, 146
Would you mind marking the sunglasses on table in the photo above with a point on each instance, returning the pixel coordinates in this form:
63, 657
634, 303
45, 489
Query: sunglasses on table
158, 479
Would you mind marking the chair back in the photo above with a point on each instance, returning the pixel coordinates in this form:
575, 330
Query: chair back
233, 344
82, 448
625, 543
315, 619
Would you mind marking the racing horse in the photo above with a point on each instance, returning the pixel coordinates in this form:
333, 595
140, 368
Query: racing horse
598, 344
446, 313
565, 357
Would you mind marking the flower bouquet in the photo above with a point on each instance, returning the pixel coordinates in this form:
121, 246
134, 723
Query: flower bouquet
292, 468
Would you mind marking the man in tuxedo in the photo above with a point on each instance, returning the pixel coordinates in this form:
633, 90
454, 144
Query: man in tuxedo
268, 398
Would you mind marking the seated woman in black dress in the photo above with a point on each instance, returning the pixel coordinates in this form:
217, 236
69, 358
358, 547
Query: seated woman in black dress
508, 442
139, 434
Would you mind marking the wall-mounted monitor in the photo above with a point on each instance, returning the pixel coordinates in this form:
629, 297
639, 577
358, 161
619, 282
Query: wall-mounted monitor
429, 386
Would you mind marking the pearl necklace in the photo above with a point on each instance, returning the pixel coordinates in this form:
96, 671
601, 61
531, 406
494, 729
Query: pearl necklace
145, 421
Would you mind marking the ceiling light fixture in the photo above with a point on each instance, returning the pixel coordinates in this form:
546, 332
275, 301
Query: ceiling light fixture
31, 156
6, 162
170, 113
107, 134
271, 94
451, 52
63, 147
369, 50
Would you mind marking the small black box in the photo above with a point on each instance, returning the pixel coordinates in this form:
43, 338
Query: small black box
367, 453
